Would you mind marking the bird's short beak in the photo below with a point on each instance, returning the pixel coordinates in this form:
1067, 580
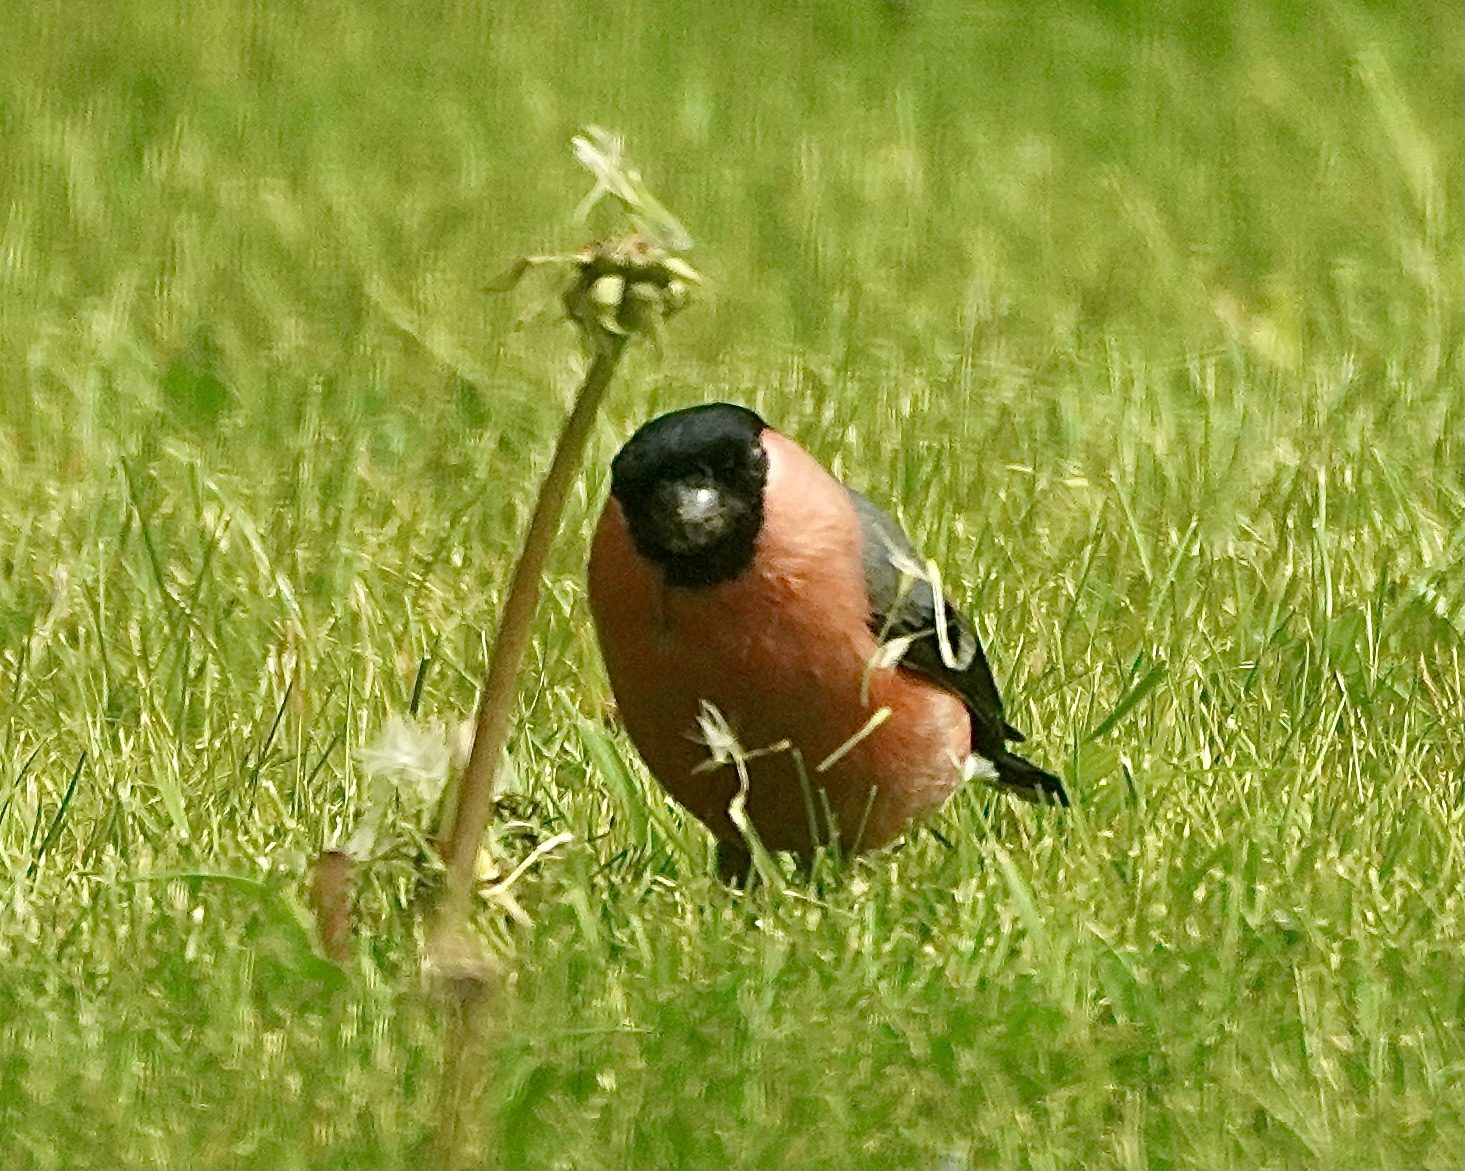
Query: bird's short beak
697, 513
697, 504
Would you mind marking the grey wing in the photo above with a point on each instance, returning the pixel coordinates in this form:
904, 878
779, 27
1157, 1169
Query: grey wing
903, 607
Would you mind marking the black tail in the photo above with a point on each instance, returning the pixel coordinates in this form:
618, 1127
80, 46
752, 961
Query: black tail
1022, 778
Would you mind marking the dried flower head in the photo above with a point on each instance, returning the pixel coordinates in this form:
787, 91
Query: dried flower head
626, 284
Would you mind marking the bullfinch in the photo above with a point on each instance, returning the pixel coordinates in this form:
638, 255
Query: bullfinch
744, 597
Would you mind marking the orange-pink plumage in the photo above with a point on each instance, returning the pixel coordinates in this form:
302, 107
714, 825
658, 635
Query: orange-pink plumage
780, 638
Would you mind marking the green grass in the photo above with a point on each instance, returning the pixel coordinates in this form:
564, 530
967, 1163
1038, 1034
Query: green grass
1146, 319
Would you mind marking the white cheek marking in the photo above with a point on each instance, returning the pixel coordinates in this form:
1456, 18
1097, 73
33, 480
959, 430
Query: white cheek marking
978, 767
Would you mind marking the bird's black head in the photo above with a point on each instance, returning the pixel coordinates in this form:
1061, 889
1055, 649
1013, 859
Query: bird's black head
690, 484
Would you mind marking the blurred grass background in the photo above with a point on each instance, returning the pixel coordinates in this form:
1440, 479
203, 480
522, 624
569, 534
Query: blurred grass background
1145, 318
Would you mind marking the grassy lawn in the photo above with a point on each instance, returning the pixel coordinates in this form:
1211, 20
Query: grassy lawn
1145, 318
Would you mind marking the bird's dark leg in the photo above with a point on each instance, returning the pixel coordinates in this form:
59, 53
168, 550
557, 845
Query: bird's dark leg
733, 862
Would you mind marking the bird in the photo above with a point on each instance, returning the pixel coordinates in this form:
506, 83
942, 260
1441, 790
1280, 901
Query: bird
773, 635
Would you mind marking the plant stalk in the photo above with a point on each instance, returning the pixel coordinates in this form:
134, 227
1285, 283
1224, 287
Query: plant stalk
476, 788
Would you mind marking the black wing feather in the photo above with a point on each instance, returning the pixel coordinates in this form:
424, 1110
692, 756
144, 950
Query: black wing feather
903, 606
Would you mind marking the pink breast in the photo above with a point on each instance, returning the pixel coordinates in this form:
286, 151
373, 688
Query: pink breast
782, 653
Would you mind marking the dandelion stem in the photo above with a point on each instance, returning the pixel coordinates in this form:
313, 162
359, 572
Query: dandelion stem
496, 704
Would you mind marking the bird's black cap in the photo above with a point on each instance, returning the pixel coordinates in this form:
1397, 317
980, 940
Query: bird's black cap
690, 483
